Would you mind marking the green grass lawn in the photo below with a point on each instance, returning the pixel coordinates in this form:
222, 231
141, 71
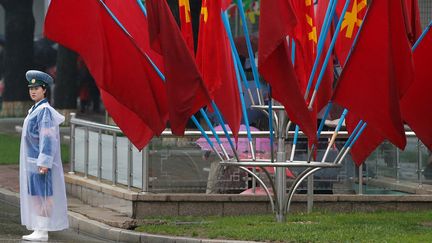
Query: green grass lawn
315, 227
10, 145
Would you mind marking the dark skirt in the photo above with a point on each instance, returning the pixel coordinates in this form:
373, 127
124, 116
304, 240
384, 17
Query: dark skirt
40, 184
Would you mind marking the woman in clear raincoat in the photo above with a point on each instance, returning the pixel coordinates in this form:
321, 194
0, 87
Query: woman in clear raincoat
42, 187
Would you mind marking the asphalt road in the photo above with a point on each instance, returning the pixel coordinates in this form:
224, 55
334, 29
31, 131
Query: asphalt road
11, 229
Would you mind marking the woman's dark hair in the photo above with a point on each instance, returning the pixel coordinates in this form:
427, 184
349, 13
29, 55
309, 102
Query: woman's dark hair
47, 91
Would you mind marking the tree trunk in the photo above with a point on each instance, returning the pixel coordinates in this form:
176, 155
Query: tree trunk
66, 87
18, 56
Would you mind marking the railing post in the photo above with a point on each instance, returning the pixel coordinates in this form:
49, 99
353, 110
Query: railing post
397, 165
86, 153
145, 168
114, 160
419, 163
280, 171
254, 171
129, 165
376, 165
99, 164
310, 193
72, 145
360, 180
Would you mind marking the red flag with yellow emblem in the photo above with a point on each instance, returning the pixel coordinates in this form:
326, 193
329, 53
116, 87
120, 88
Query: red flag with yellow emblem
186, 23
215, 62
350, 26
376, 77
305, 36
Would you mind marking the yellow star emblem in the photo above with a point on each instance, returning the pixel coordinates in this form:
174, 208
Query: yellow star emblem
351, 18
204, 13
313, 34
185, 4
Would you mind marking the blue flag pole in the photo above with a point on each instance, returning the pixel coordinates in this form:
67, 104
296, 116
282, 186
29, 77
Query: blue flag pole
329, 53
245, 115
250, 52
333, 138
214, 133
321, 41
320, 128
425, 31
357, 135
143, 8
222, 122
236, 55
348, 142
322, 123
352, 142
195, 121
297, 128
293, 50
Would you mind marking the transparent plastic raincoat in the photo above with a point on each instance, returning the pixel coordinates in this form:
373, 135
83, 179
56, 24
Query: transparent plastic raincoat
42, 196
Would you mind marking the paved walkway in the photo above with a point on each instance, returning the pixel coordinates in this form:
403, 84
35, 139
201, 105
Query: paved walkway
99, 222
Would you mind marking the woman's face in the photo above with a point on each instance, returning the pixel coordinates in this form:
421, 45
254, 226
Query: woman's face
37, 93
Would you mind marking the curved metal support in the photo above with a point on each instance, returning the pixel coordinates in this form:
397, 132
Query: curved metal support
194, 164
262, 183
271, 181
287, 128
264, 108
296, 184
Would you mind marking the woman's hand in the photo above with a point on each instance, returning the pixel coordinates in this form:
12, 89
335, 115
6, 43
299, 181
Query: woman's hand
43, 170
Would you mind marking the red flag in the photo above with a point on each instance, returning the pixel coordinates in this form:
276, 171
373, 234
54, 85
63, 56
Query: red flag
415, 105
369, 140
276, 22
375, 77
214, 59
113, 59
131, 125
185, 88
130, 15
412, 17
186, 24
350, 26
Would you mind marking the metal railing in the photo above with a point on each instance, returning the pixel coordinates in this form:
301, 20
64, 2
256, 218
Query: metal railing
102, 140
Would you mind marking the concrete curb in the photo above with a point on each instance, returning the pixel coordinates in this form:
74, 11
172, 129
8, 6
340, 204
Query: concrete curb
97, 229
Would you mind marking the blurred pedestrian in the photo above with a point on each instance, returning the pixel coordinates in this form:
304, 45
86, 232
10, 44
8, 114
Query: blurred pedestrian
42, 188
84, 96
